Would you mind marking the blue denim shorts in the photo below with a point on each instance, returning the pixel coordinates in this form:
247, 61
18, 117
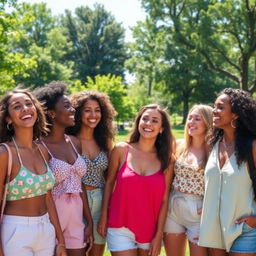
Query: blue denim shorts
246, 242
95, 201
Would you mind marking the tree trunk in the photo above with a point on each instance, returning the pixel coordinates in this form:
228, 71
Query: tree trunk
186, 95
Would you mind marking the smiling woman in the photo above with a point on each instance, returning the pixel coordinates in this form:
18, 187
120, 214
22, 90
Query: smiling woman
29, 214
68, 168
137, 186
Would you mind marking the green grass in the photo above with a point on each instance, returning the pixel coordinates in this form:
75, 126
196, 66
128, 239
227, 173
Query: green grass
177, 132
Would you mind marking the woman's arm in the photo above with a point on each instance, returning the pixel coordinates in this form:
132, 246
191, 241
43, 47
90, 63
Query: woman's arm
60, 248
155, 246
3, 173
88, 232
114, 164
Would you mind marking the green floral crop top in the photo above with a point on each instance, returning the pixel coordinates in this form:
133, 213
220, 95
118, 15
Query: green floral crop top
27, 184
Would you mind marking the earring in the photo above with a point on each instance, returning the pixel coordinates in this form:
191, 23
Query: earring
9, 126
232, 124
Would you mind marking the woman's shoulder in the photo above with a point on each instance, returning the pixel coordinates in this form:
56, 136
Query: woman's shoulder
76, 142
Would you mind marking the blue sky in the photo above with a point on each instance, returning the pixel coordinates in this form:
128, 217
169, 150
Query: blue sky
128, 12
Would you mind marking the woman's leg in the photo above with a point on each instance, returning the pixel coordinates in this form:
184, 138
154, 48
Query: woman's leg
175, 244
76, 252
241, 254
132, 252
97, 250
196, 250
217, 252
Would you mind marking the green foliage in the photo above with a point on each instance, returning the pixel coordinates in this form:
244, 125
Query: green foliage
97, 40
41, 40
222, 32
114, 87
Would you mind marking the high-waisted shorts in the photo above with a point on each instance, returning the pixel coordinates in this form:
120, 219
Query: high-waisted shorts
246, 242
94, 197
27, 236
183, 215
70, 212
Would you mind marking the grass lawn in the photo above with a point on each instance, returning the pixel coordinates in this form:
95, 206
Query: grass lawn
177, 132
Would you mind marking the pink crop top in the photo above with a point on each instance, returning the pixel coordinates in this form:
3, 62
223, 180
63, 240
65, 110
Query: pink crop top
67, 176
136, 201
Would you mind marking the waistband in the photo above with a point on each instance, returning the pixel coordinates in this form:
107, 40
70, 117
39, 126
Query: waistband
25, 219
185, 195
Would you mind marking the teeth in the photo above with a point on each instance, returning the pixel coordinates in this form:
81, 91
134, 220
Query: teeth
147, 130
92, 120
26, 116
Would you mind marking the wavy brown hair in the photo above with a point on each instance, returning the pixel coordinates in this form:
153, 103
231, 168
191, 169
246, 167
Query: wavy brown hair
164, 140
40, 126
105, 130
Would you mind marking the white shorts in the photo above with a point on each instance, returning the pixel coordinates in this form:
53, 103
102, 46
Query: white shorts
27, 236
122, 239
183, 215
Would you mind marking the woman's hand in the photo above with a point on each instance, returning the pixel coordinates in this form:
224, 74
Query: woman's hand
60, 250
249, 220
102, 226
88, 238
155, 246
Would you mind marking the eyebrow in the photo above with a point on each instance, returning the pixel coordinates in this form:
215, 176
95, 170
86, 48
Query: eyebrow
15, 102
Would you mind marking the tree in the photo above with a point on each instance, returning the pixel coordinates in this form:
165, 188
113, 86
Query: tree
12, 63
115, 88
98, 46
43, 41
223, 32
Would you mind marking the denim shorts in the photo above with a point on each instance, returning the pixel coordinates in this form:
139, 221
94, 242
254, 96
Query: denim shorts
95, 201
122, 239
246, 242
183, 215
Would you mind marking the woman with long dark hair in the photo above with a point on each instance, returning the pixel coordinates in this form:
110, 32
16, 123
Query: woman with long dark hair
30, 224
137, 187
228, 223
95, 130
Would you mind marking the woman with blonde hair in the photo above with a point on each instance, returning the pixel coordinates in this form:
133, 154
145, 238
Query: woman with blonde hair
187, 193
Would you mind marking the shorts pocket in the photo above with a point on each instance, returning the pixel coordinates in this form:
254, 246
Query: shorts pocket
9, 233
247, 228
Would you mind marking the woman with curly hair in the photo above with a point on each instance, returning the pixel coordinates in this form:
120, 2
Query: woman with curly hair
30, 224
68, 168
186, 199
137, 187
95, 130
228, 223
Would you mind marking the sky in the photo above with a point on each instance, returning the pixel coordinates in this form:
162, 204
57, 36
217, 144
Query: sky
127, 12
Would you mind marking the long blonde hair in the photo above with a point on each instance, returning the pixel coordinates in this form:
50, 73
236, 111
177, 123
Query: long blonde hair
205, 112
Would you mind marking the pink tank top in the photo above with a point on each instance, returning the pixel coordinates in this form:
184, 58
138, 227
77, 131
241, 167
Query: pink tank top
68, 177
136, 201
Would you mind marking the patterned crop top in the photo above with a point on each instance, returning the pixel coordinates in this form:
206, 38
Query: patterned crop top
188, 178
27, 184
95, 170
67, 176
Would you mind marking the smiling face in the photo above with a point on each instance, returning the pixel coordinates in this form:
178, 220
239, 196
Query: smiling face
195, 124
91, 114
22, 111
150, 124
63, 113
222, 114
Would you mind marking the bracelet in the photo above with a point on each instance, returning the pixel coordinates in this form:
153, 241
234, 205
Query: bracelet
61, 245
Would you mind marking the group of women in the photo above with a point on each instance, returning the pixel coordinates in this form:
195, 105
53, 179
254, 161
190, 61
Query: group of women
69, 189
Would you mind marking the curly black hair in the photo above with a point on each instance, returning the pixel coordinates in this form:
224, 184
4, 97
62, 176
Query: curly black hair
244, 106
49, 95
164, 140
40, 126
105, 130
